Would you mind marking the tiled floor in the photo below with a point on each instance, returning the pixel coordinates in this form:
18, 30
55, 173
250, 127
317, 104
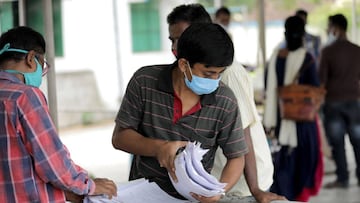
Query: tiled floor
91, 148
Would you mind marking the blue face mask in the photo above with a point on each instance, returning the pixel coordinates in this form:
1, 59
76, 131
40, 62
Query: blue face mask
201, 85
33, 78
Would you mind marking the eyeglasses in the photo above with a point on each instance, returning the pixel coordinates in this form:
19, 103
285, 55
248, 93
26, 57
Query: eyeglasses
45, 66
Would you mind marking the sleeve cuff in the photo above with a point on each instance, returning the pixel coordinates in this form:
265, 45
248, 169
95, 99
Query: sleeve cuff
91, 186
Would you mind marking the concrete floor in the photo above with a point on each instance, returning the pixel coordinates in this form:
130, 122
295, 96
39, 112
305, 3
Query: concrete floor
90, 147
349, 195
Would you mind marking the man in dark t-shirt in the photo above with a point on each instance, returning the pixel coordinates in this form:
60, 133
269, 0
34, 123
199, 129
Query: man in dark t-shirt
340, 74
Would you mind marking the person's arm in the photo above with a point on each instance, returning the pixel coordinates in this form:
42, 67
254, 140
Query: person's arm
52, 162
232, 171
250, 172
102, 186
133, 142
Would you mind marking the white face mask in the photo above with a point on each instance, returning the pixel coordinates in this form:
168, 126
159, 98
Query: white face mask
331, 38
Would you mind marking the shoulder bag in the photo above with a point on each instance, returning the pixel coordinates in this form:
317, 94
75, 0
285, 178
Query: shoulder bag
300, 102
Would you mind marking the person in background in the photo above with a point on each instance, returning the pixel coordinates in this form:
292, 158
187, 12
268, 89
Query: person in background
340, 73
35, 165
223, 17
258, 167
298, 165
166, 106
311, 42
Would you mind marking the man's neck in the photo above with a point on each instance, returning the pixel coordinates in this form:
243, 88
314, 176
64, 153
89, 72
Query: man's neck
342, 35
187, 97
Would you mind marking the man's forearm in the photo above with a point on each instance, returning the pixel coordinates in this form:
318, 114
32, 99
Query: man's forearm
232, 171
250, 170
131, 141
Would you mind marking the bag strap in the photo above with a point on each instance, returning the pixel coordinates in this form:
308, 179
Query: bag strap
302, 69
284, 53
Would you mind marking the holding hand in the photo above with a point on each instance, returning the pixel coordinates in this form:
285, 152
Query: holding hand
203, 199
105, 186
267, 197
72, 197
166, 155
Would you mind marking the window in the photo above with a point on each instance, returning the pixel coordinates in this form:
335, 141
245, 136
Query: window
35, 20
8, 15
145, 28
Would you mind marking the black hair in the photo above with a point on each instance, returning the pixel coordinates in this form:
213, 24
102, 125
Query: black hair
222, 10
21, 38
301, 12
294, 32
206, 43
338, 20
191, 13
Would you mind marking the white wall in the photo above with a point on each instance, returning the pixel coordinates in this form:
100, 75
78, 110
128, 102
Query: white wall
90, 44
88, 40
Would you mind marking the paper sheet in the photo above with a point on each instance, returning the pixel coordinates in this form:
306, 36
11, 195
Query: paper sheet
137, 191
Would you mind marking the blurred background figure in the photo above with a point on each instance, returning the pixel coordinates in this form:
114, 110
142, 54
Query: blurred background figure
339, 73
311, 42
223, 17
298, 165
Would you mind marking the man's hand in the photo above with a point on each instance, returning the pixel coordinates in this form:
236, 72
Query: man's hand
105, 186
266, 197
203, 199
72, 197
166, 155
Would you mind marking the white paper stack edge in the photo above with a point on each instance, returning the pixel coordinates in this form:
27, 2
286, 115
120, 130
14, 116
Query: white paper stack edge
191, 175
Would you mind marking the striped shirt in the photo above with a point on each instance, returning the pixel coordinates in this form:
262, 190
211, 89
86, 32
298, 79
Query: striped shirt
34, 164
148, 105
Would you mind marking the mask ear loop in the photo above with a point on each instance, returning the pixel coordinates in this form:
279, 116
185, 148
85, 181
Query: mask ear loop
7, 48
187, 62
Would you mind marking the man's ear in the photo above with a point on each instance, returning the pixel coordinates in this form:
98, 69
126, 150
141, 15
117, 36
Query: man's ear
30, 60
183, 64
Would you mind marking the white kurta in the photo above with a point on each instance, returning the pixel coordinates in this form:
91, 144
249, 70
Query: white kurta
237, 78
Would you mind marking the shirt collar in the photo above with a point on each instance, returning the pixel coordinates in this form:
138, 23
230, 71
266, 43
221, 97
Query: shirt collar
9, 76
165, 84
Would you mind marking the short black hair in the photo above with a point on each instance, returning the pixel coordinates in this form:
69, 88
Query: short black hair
338, 20
191, 13
301, 12
222, 10
206, 43
21, 37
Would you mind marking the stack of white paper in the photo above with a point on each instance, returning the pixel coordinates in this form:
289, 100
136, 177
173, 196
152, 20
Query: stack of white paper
137, 191
191, 175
